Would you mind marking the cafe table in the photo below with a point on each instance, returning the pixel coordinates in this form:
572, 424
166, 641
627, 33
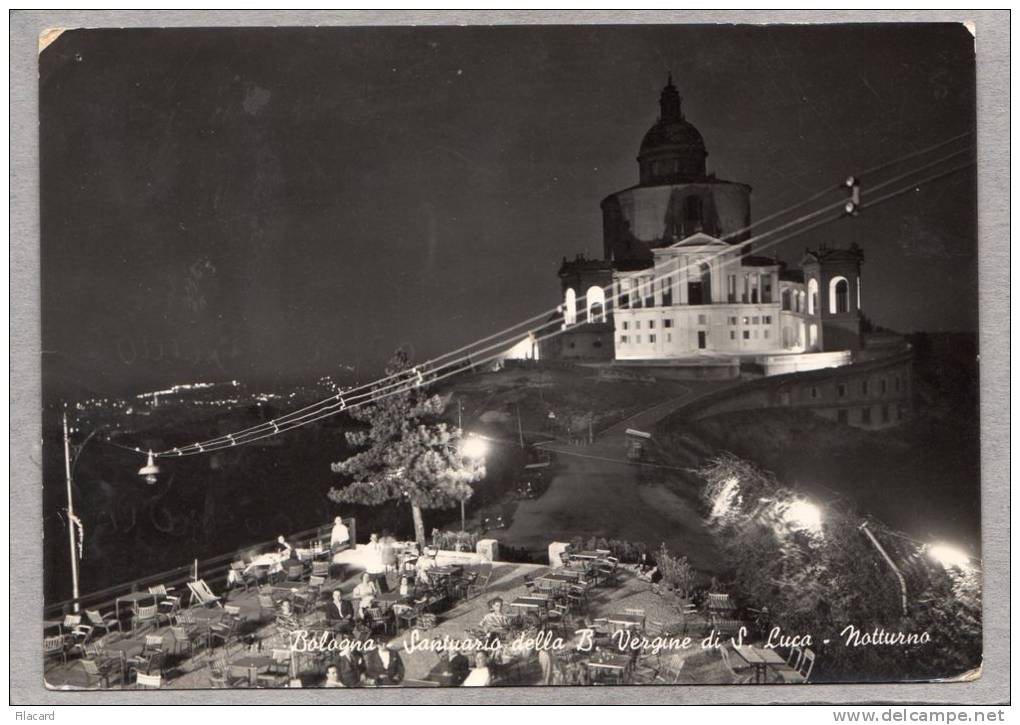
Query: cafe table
536, 602
625, 620
253, 663
609, 662
133, 599
759, 659
555, 581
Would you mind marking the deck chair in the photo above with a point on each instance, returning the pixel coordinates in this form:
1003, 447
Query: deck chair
202, 594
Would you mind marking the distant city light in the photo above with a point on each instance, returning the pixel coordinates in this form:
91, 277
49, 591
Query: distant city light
949, 556
803, 515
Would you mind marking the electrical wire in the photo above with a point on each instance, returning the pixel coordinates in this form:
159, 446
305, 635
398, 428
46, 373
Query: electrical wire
342, 400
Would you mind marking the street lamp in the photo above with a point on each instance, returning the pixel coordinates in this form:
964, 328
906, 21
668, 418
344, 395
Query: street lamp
949, 556
150, 470
803, 515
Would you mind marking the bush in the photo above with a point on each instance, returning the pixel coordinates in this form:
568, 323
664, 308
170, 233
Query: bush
628, 552
455, 540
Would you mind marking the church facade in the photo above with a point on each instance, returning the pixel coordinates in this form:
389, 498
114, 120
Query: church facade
679, 281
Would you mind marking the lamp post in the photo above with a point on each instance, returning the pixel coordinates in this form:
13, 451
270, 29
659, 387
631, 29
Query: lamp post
149, 471
891, 563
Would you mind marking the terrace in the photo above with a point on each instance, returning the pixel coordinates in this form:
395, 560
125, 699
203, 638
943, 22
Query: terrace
603, 624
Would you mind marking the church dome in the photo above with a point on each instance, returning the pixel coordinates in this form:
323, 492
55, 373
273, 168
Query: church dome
673, 150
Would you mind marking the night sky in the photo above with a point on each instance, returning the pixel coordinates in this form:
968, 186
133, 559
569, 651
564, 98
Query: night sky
273, 205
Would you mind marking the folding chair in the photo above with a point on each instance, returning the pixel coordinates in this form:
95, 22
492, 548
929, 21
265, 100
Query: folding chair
202, 594
167, 604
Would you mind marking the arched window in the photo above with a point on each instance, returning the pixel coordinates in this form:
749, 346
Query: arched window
570, 307
812, 293
839, 295
595, 299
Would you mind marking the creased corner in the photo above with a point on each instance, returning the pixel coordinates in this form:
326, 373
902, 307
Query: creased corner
47, 37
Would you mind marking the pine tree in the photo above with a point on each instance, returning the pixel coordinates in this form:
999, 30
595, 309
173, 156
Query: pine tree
406, 453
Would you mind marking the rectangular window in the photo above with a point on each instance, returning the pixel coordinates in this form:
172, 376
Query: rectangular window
731, 288
754, 320
623, 339
882, 386
624, 294
866, 416
651, 324
733, 334
669, 337
841, 416
814, 392
667, 323
885, 413
667, 292
767, 320
841, 391
733, 320
766, 288
626, 325
650, 293
701, 319
747, 334
766, 334
637, 324
651, 338
746, 320
864, 387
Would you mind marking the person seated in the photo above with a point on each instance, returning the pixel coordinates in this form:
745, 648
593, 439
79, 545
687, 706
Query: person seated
332, 677
459, 667
495, 621
340, 613
425, 562
350, 667
286, 622
282, 547
383, 666
365, 593
340, 536
479, 676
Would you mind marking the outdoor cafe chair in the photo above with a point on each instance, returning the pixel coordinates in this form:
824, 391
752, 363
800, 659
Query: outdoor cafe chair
239, 578
167, 605
150, 658
480, 584
185, 639
98, 621
225, 630
295, 572
79, 635
148, 682
99, 672
55, 646
320, 569
741, 675
144, 616
799, 672
278, 673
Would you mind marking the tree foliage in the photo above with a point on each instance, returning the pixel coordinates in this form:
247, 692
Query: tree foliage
818, 583
406, 453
